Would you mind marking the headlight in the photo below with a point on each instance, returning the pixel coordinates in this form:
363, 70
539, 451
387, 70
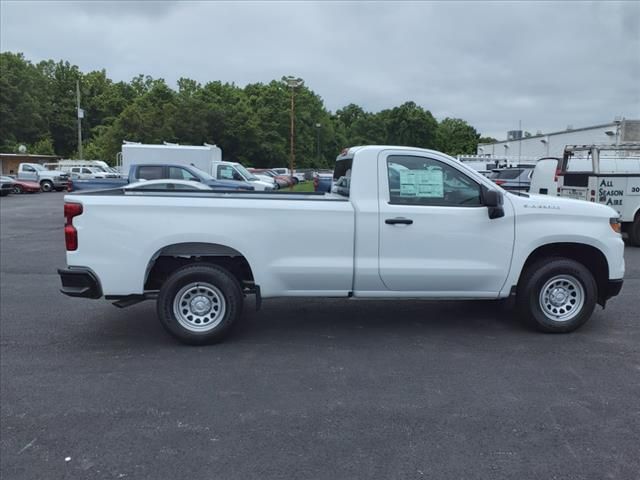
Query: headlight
615, 224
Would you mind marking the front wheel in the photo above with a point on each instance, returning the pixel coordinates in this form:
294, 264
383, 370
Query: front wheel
557, 295
199, 303
46, 185
17, 189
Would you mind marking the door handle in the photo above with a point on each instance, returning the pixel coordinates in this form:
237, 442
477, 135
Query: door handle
398, 221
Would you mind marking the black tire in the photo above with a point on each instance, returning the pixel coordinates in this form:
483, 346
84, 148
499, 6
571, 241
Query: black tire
634, 232
574, 281
213, 284
46, 185
17, 189
295, 180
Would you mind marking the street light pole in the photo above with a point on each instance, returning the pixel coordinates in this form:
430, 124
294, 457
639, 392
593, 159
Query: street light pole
80, 117
293, 83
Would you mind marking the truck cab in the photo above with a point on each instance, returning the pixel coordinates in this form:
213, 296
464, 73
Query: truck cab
235, 171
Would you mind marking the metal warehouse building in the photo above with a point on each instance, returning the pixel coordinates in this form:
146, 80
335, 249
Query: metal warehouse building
519, 148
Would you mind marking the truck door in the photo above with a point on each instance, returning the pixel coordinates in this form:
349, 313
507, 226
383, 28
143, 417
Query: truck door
28, 173
435, 234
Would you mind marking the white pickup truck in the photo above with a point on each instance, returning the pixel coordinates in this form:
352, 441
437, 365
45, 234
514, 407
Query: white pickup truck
408, 223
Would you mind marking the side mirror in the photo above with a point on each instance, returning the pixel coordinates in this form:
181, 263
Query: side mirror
494, 200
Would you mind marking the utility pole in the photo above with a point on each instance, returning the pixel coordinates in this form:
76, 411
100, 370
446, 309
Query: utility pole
80, 117
318, 144
293, 83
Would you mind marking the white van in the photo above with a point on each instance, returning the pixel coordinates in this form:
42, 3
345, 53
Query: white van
607, 174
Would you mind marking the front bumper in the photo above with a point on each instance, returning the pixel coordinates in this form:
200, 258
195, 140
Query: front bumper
613, 288
80, 282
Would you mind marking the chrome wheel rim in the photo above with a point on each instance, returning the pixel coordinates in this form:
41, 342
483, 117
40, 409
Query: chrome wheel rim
199, 307
562, 298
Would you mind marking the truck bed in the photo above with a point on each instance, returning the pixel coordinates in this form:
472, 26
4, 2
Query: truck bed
259, 195
295, 243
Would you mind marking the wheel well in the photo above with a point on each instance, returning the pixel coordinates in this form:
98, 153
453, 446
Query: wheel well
589, 256
168, 259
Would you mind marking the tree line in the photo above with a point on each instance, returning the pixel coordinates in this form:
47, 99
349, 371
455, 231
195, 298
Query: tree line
250, 124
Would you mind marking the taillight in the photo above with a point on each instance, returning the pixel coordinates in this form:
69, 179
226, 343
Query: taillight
316, 182
70, 233
69, 186
499, 182
558, 174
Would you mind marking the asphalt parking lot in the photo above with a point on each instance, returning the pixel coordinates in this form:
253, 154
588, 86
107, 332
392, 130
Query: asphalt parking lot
305, 388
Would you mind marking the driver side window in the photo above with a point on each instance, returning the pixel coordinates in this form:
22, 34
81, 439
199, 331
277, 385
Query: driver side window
425, 181
178, 173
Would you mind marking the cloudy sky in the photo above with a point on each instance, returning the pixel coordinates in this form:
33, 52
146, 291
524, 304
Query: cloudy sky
547, 64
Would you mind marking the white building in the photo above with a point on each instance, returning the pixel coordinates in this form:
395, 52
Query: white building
527, 149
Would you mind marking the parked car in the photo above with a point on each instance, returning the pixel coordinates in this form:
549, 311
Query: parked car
236, 171
166, 185
299, 175
161, 172
6, 186
25, 186
442, 231
323, 181
49, 180
282, 181
88, 172
516, 179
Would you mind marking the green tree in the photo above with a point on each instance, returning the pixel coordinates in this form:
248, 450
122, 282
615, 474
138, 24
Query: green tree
410, 125
456, 137
23, 102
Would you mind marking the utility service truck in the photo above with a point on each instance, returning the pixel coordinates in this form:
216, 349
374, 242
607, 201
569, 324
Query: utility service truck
606, 174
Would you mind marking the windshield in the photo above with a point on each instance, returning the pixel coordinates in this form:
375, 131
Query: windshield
508, 174
246, 173
203, 175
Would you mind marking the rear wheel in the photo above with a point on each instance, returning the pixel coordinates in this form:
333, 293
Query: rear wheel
557, 295
46, 185
199, 304
634, 232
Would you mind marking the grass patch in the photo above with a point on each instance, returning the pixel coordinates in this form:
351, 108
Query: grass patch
300, 187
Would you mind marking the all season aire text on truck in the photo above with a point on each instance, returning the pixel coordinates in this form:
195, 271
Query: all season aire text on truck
401, 223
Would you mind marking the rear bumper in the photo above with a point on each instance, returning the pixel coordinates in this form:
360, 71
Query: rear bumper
80, 282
